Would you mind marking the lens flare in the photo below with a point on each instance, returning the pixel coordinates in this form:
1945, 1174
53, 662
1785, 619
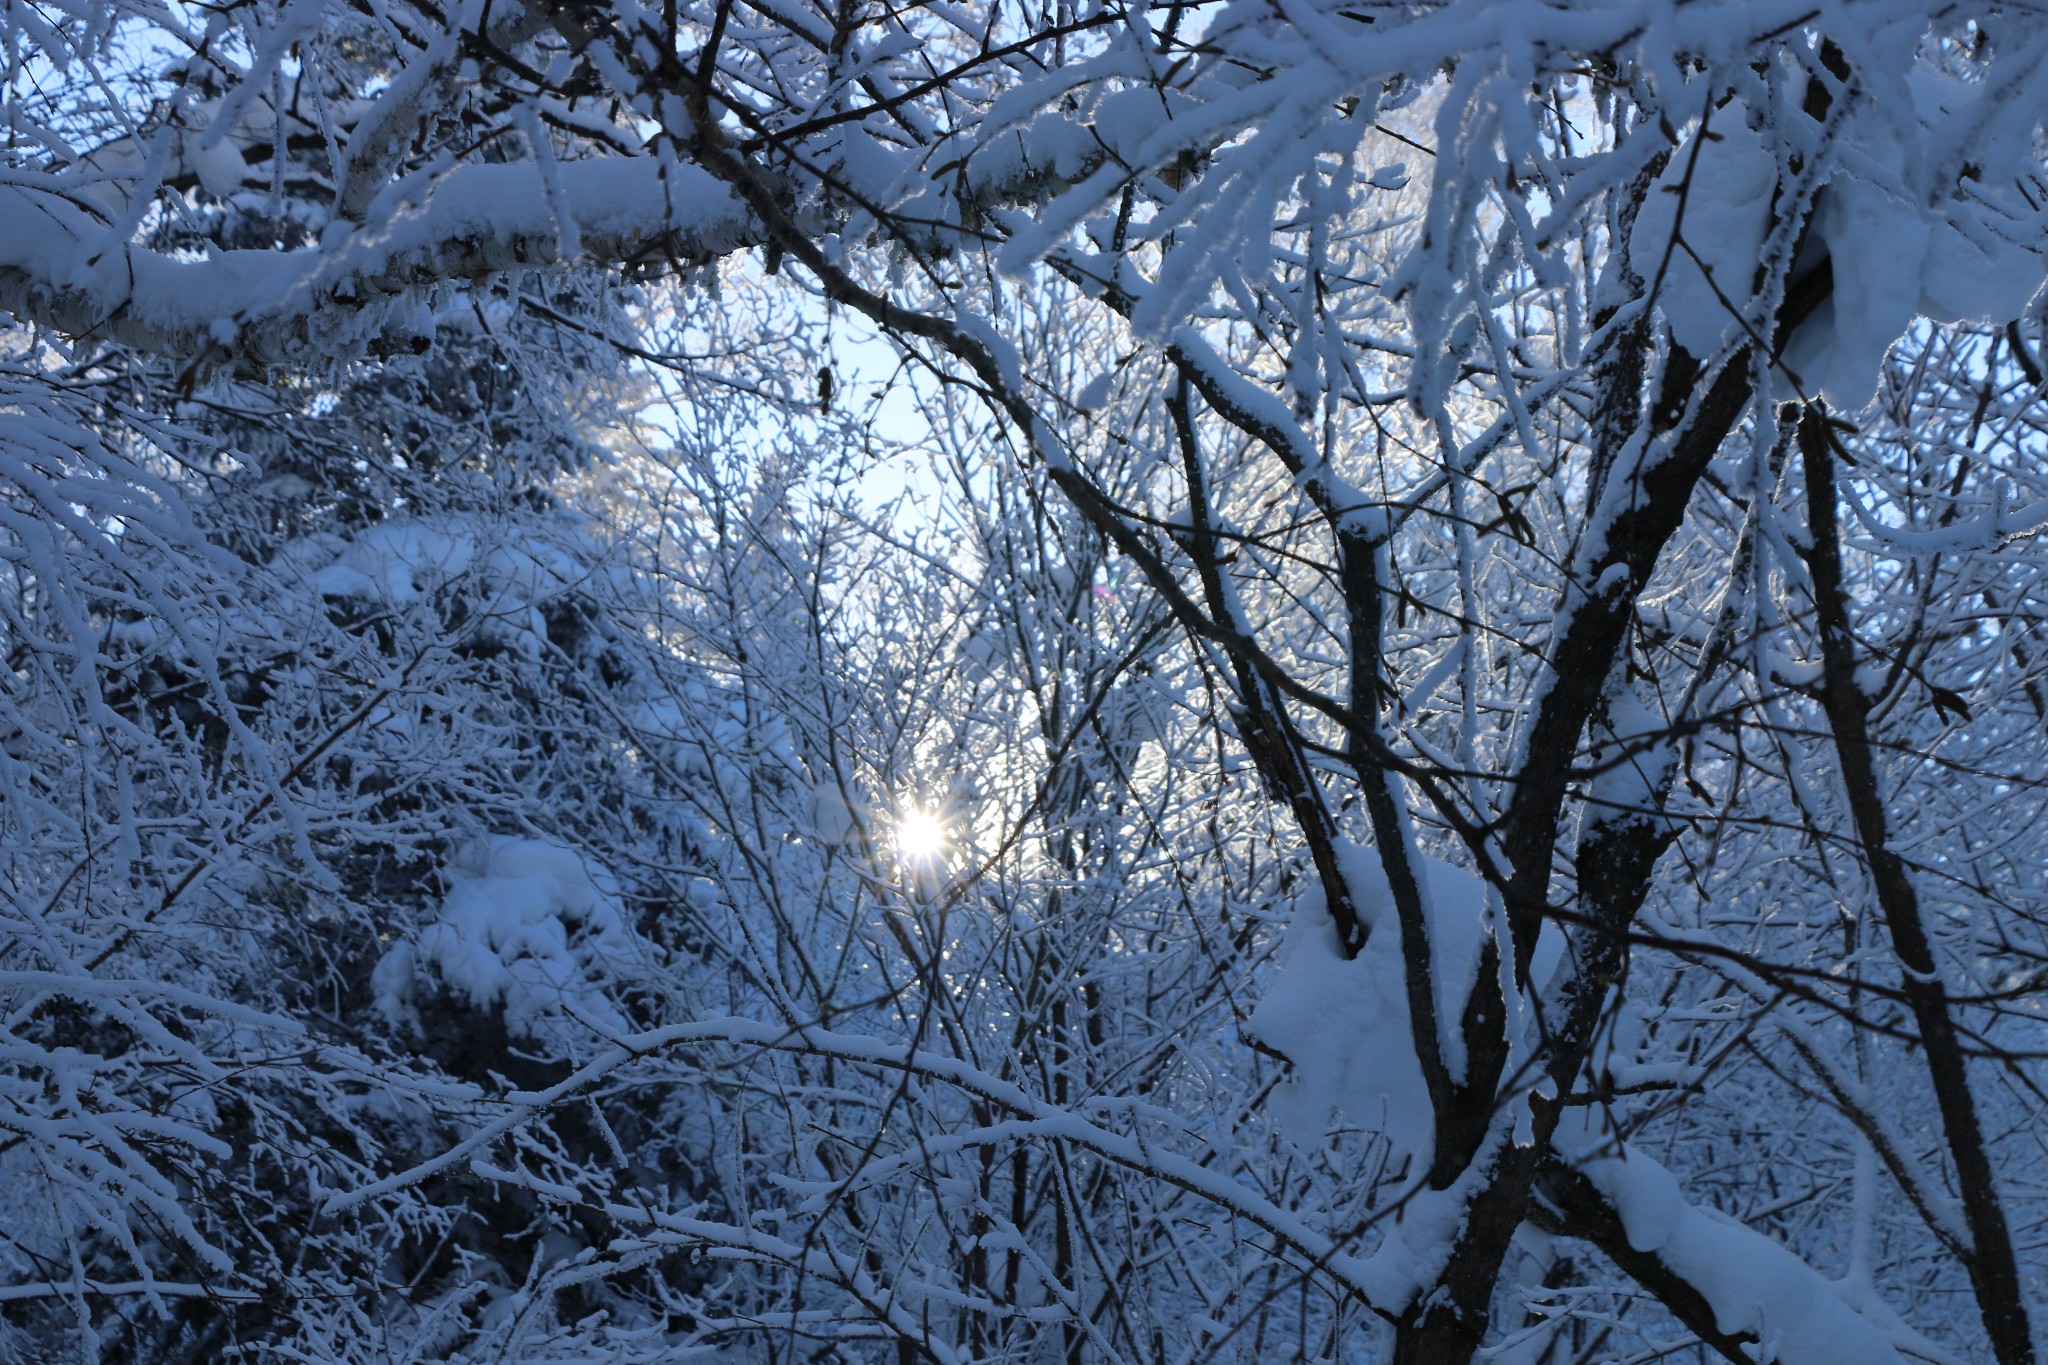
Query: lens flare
920, 838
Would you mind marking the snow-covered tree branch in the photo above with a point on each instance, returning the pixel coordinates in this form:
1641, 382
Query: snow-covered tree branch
795, 679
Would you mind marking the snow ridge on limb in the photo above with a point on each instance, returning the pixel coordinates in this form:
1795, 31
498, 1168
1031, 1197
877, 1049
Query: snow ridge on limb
1742, 1293
258, 308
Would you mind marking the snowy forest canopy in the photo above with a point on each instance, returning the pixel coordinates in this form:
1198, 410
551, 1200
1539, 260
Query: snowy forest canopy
1023, 680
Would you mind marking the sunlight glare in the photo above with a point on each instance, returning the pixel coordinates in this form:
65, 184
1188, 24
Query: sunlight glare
920, 838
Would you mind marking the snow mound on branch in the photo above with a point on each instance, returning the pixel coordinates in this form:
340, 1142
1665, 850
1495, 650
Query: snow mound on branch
1715, 195
393, 561
1895, 257
1753, 1284
396, 562
834, 819
1906, 236
1345, 1025
527, 926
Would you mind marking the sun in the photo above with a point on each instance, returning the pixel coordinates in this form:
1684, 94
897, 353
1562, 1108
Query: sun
920, 838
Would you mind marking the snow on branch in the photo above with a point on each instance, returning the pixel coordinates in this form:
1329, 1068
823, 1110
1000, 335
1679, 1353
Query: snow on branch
362, 288
1748, 1296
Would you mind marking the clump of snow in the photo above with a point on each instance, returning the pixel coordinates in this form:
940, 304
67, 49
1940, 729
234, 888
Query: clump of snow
405, 561
394, 561
1896, 257
834, 819
1096, 394
1716, 196
1345, 1025
526, 926
1904, 235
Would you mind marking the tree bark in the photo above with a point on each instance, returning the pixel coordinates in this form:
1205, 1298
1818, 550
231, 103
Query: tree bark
1993, 1269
